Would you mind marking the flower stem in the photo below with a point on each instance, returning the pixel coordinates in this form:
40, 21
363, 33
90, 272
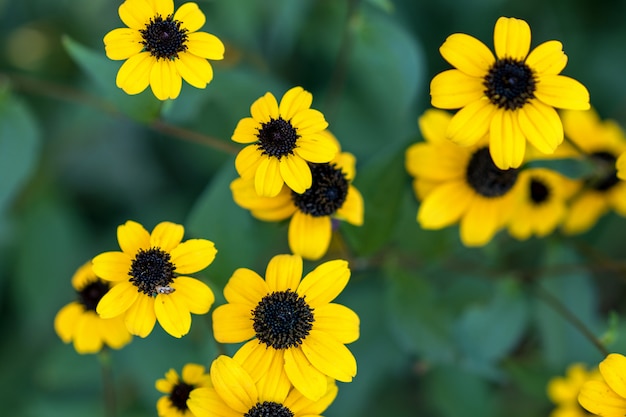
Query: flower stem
108, 388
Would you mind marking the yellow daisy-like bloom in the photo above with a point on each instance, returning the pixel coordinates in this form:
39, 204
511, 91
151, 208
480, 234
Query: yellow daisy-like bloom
602, 142
459, 184
543, 202
563, 391
606, 397
331, 196
620, 165
282, 139
178, 389
511, 97
161, 48
295, 333
236, 393
151, 287
78, 321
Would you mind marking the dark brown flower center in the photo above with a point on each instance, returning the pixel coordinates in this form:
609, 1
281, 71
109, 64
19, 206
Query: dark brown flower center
605, 175
486, 178
510, 84
327, 193
151, 271
164, 38
282, 319
89, 296
277, 138
180, 395
539, 191
269, 409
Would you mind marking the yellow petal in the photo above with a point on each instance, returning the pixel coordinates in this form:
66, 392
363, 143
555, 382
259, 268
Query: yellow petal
265, 108
134, 75
294, 101
248, 161
584, 212
296, 173
114, 333
328, 355
541, 125
507, 144
309, 236
437, 162
467, 54
196, 295
233, 384
122, 43
433, 124
284, 272
337, 321
165, 80
162, 7
471, 123
511, 38
480, 223
347, 163
620, 165
562, 92
193, 255
87, 338
325, 282
140, 317
613, 370
136, 13
274, 384
117, 300
245, 287
232, 323
247, 131
302, 406
267, 180
190, 16
308, 122
66, 319
316, 149
598, 398
195, 70
256, 358
172, 314
445, 205
205, 45
352, 209
206, 402
453, 89
112, 266
547, 58
166, 235
132, 236
306, 378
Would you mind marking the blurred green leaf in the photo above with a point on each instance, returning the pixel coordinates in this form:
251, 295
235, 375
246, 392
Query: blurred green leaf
574, 168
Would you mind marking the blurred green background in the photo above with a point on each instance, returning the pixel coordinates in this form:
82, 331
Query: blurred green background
446, 331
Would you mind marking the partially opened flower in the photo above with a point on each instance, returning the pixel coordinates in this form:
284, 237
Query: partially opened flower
78, 321
162, 47
601, 142
294, 334
331, 196
606, 397
563, 391
151, 274
178, 388
281, 140
511, 97
459, 184
235, 393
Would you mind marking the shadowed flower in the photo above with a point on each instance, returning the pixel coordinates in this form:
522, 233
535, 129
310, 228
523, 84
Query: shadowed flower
78, 321
331, 196
459, 184
151, 287
281, 140
235, 393
511, 97
601, 142
294, 333
607, 396
178, 389
161, 48
563, 391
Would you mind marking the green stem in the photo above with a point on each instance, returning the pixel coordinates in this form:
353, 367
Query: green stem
108, 387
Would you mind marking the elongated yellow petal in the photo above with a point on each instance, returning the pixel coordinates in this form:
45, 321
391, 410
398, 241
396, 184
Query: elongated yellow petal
196, 295
166, 235
172, 314
136, 13
122, 43
87, 338
206, 402
471, 123
284, 272
256, 358
296, 173
134, 75
233, 384
193, 255
294, 101
562, 92
248, 161
584, 212
337, 321
190, 16
117, 300
165, 80
140, 317
265, 108
598, 398
541, 125
613, 370
245, 287
325, 282
453, 89
205, 45
433, 124
511, 38
507, 144
247, 131
480, 223
547, 58
302, 406
329, 356
267, 180
112, 266
66, 319
467, 54
232, 323
352, 209
274, 384
305, 377
132, 236
193, 69
445, 205
309, 236
316, 149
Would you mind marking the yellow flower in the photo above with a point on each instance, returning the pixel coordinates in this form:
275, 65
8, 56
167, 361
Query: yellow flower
151, 287
78, 321
174, 404
235, 393
602, 142
282, 139
563, 391
294, 332
543, 202
511, 96
161, 48
331, 196
606, 397
459, 184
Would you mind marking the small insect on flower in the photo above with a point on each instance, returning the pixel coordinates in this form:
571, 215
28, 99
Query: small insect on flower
164, 289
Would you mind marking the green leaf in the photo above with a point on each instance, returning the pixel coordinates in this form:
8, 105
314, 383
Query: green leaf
102, 71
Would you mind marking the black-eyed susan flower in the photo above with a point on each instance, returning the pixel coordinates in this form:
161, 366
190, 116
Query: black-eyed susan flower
563, 391
281, 140
511, 97
459, 184
151, 271
177, 389
235, 393
293, 330
78, 321
331, 196
601, 142
607, 396
542, 203
162, 47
